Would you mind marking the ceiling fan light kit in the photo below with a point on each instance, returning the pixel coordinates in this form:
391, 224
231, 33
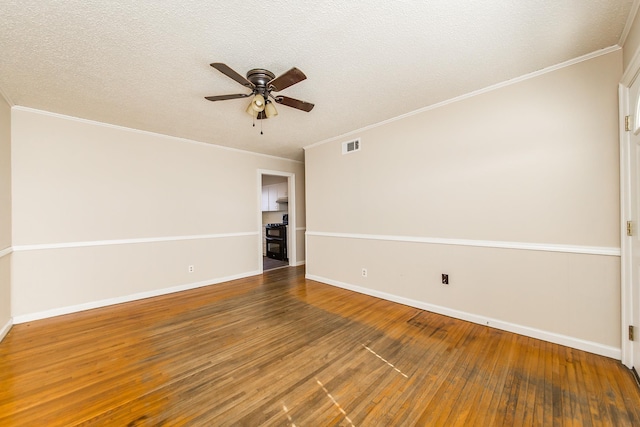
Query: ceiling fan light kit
250, 111
257, 103
270, 110
262, 82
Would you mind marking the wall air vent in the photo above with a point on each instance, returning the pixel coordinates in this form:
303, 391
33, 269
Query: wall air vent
351, 146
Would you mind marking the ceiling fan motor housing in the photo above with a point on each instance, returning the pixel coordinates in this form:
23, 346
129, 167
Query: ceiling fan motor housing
260, 77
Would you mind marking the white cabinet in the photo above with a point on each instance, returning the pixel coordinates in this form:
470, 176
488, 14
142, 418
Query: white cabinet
273, 196
270, 195
283, 190
265, 199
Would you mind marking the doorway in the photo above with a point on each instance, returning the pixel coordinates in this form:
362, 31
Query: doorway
276, 219
630, 218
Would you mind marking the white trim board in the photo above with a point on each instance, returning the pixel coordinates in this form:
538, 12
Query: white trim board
291, 211
629, 23
21, 248
631, 72
552, 68
572, 342
4, 95
626, 288
5, 329
546, 247
6, 251
23, 318
145, 132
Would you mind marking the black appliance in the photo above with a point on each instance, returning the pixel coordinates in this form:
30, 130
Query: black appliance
276, 237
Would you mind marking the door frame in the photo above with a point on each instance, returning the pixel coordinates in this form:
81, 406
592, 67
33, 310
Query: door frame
626, 265
291, 210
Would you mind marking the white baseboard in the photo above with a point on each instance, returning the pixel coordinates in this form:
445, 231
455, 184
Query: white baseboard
5, 329
299, 263
126, 298
577, 343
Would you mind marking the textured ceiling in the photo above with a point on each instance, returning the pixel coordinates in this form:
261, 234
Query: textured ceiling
145, 64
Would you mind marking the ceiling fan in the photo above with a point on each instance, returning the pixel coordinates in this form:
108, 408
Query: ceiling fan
262, 82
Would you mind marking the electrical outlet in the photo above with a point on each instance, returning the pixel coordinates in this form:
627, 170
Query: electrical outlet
445, 279
190, 269
364, 272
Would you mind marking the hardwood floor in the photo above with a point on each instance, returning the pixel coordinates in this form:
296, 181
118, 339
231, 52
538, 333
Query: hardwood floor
281, 350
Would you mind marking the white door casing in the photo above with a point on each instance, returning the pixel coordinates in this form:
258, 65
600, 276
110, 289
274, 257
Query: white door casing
291, 210
630, 210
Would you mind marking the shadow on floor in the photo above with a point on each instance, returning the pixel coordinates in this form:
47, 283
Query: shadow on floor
270, 263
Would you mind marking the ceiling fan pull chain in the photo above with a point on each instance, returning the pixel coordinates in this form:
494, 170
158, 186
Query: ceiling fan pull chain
261, 127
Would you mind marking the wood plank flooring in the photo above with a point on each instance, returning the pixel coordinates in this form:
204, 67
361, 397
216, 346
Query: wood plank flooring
279, 350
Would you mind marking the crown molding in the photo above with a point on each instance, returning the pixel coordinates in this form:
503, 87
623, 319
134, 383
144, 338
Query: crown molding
487, 89
630, 19
148, 133
4, 95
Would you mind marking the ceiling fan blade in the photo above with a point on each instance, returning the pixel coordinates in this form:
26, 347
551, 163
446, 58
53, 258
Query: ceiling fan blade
224, 97
289, 78
227, 71
295, 103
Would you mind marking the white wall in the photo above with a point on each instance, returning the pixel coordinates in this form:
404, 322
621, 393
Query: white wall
103, 213
5, 217
474, 188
